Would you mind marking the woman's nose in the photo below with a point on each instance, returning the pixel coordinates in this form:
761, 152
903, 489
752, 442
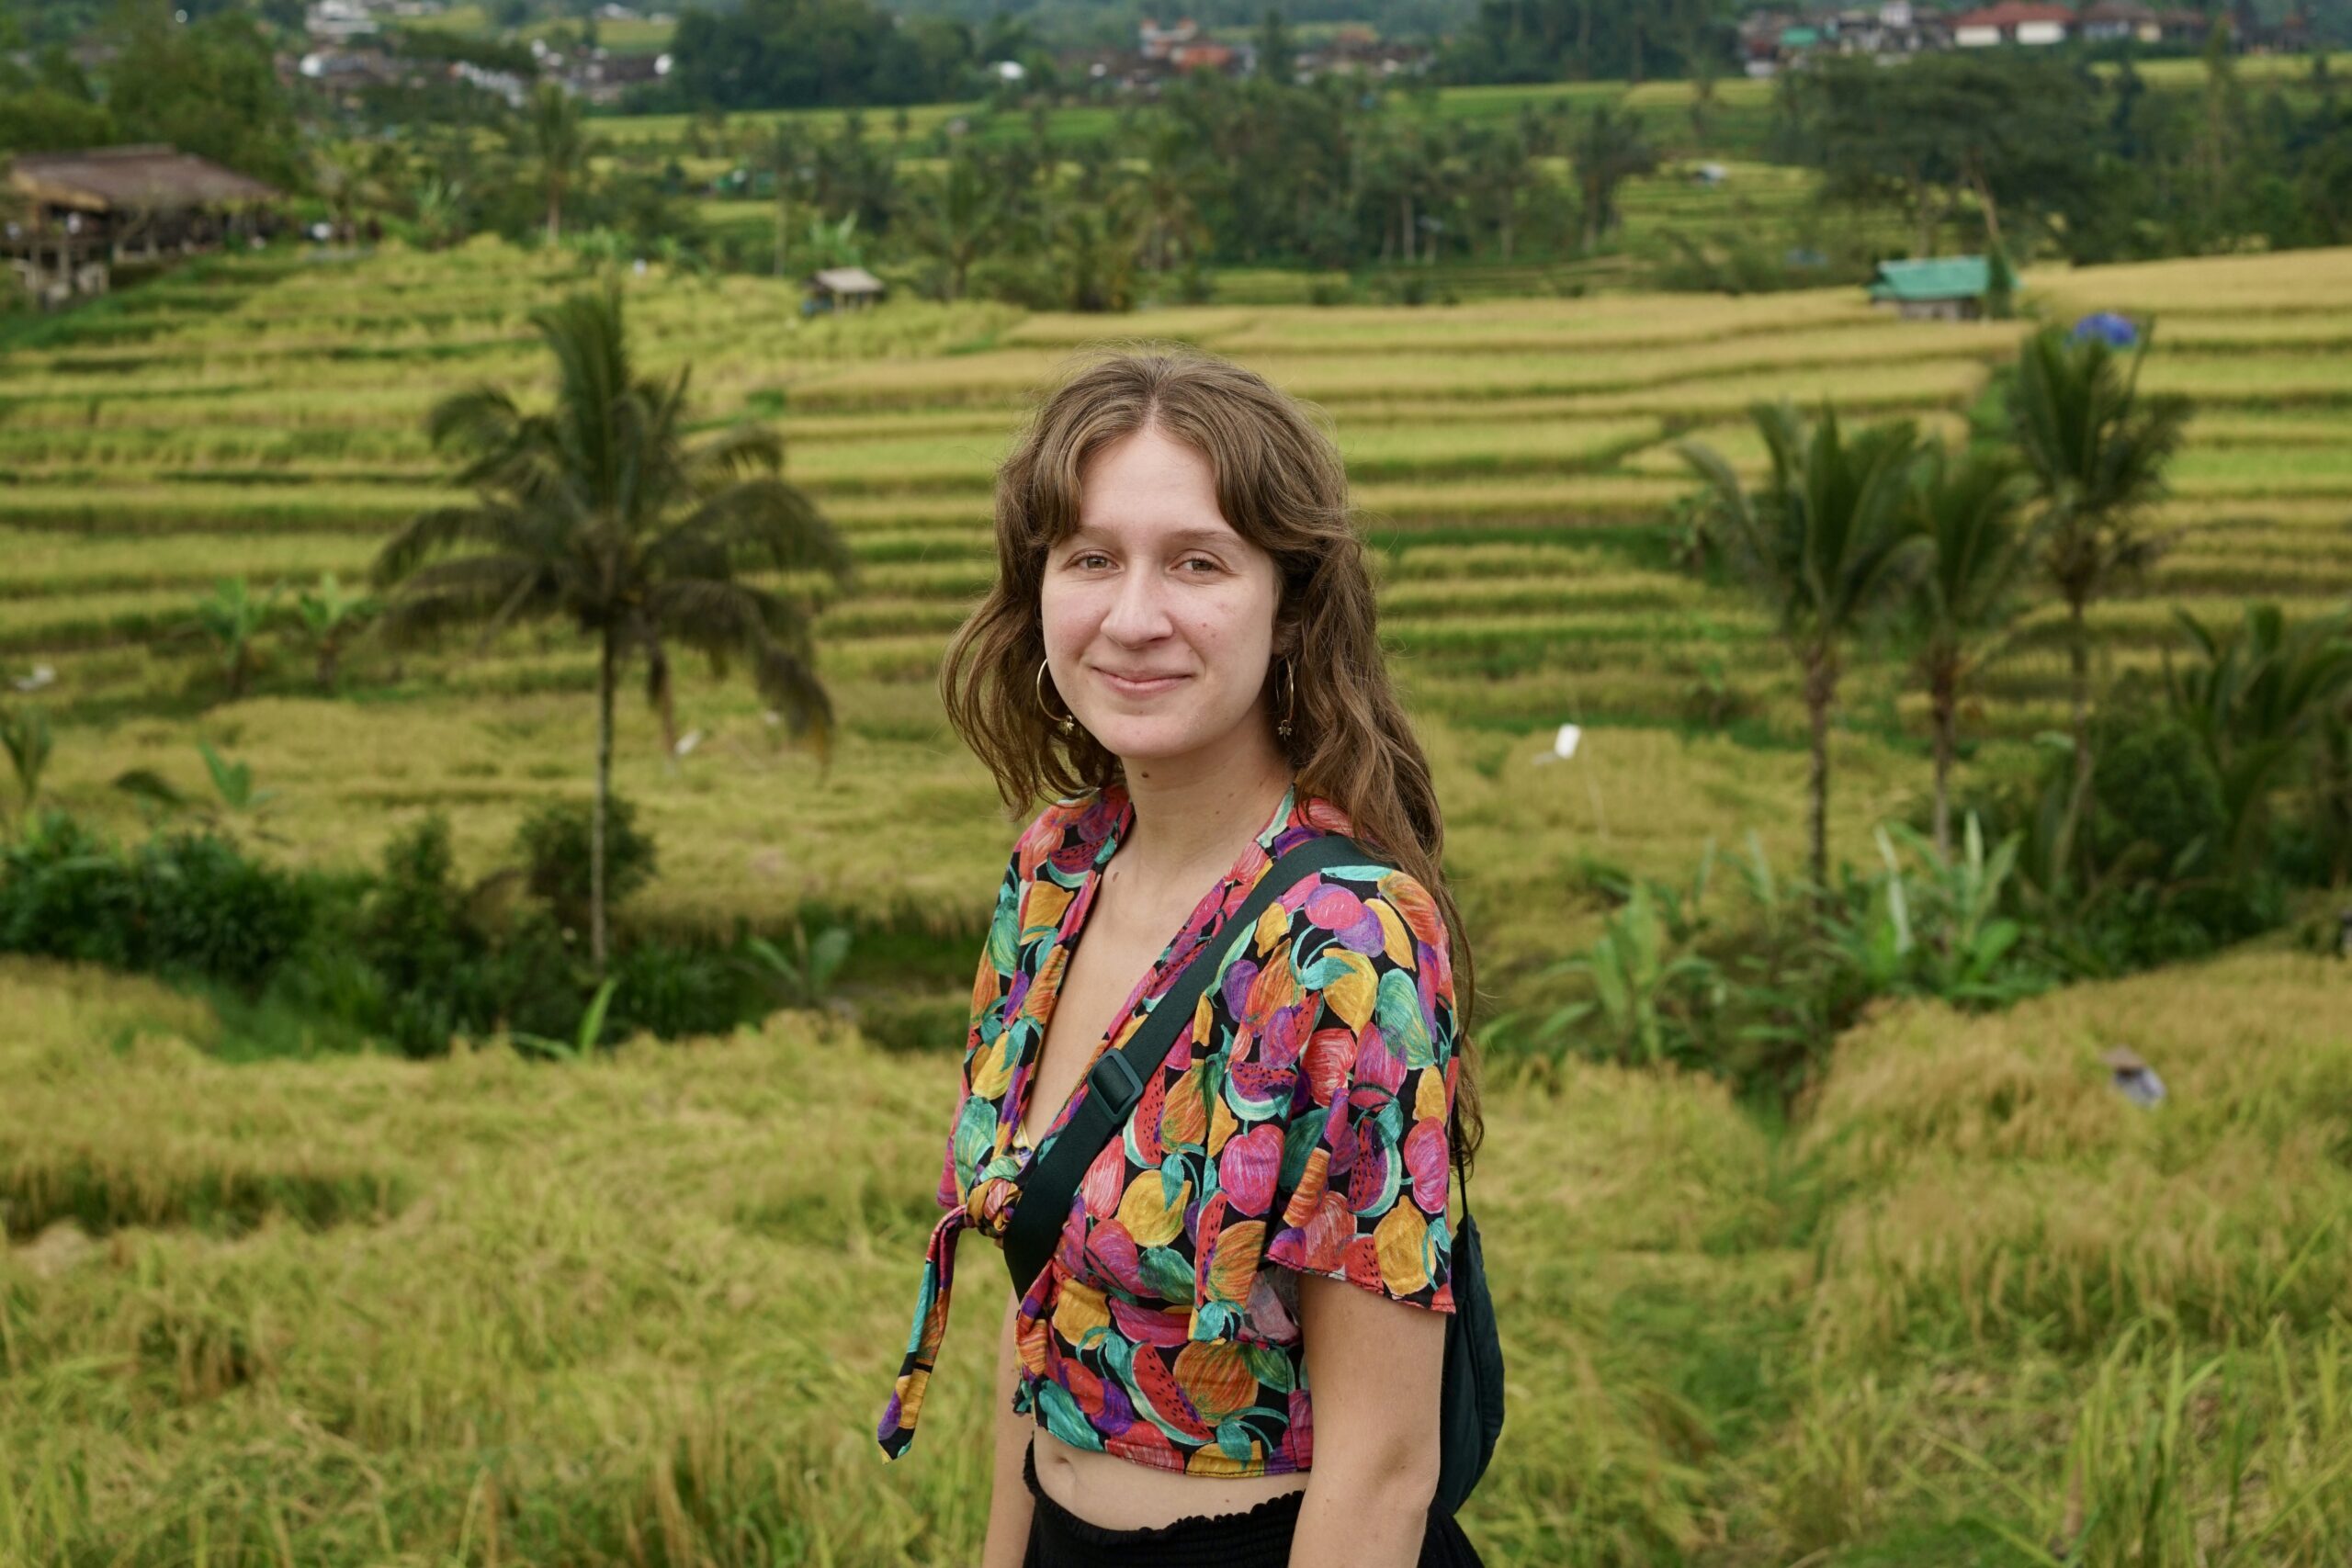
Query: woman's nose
1137, 613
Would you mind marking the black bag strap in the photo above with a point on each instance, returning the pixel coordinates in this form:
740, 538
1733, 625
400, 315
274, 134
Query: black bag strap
1115, 1081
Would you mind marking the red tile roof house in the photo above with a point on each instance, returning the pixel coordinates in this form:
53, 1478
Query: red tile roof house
2013, 21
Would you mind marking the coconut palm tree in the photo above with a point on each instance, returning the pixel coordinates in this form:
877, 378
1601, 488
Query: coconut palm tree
1609, 151
2256, 695
1822, 540
955, 219
1969, 509
2097, 447
597, 511
559, 142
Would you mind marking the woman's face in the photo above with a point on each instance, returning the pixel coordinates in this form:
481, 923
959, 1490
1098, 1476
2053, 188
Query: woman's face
1159, 616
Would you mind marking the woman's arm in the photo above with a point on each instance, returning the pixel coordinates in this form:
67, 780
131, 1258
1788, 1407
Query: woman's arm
1009, 1503
1376, 1369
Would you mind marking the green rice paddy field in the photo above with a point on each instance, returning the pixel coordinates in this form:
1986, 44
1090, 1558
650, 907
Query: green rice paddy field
1976, 1309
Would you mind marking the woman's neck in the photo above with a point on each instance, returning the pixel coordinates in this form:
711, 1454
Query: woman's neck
1189, 826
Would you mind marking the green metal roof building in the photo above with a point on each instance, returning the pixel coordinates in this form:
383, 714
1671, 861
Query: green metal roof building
1952, 287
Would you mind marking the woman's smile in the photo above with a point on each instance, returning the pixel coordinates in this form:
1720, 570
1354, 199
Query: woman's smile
1139, 688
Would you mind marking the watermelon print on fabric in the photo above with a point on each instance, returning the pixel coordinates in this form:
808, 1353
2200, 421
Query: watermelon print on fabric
1300, 1120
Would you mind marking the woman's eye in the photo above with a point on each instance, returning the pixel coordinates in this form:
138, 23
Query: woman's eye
1084, 561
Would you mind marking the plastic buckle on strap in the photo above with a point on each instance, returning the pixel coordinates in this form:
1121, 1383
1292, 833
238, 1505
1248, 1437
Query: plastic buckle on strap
1112, 1081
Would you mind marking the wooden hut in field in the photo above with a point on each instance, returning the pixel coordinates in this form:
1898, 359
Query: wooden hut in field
843, 288
74, 216
1941, 289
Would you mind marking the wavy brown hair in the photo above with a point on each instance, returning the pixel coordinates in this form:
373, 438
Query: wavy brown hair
1281, 485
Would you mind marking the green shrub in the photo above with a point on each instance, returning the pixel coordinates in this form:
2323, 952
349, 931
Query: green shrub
671, 990
64, 893
190, 902
414, 928
205, 908
2156, 800
553, 845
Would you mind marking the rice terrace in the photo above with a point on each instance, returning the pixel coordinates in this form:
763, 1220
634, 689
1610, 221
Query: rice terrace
1987, 1201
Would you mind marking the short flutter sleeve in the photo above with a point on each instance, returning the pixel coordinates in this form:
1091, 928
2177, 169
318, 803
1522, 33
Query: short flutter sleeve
1347, 1058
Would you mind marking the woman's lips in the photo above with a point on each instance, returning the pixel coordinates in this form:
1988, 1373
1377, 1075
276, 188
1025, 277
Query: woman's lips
1139, 688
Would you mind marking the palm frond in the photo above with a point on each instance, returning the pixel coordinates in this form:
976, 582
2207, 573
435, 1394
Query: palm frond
758, 522
487, 523
479, 421
789, 682
488, 591
738, 452
720, 619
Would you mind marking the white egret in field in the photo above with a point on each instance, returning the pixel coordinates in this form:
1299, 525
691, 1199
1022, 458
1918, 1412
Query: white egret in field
1564, 744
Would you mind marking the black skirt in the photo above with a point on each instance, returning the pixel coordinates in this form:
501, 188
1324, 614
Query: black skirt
1258, 1539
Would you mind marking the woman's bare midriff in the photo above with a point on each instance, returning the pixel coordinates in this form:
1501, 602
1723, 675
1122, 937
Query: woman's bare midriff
1120, 1495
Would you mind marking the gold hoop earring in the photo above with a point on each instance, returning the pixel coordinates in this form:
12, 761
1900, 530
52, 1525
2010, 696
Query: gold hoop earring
1290, 703
1063, 723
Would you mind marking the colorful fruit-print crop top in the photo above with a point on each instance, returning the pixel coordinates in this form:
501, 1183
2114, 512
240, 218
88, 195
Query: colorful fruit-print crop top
1300, 1120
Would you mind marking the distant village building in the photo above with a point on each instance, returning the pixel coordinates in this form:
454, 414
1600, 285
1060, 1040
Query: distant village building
2112, 21
1771, 41
1941, 289
2013, 21
338, 21
345, 73
505, 84
603, 77
1353, 49
1156, 43
843, 288
100, 206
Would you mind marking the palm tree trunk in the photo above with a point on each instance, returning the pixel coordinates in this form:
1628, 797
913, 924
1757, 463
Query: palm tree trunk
1942, 702
2078, 658
596, 816
555, 212
1820, 691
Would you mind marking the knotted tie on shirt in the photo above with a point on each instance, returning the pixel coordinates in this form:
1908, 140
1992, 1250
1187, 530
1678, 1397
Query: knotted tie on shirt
989, 1208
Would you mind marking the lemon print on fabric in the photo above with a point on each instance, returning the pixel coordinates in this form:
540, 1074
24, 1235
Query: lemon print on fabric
1148, 1215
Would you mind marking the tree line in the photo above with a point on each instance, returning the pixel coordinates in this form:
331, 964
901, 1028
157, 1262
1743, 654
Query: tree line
2041, 151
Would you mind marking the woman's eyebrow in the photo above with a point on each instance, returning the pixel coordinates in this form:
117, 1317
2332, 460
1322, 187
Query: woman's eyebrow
1180, 535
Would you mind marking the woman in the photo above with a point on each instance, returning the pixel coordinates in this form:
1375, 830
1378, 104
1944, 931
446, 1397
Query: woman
1180, 648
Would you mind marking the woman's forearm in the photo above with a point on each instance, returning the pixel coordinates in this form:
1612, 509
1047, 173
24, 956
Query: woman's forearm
1009, 1503
1359, 1522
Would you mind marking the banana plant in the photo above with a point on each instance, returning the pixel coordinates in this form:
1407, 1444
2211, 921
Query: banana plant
1639, 984
329, 616
232, 785
1936, 931
230, 620
579, 1049
26, 734
802, 977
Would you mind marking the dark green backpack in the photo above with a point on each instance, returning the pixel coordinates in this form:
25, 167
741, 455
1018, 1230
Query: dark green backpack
1471, 1404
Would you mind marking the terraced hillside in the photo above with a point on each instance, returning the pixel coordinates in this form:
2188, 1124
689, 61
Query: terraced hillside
1514, 465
